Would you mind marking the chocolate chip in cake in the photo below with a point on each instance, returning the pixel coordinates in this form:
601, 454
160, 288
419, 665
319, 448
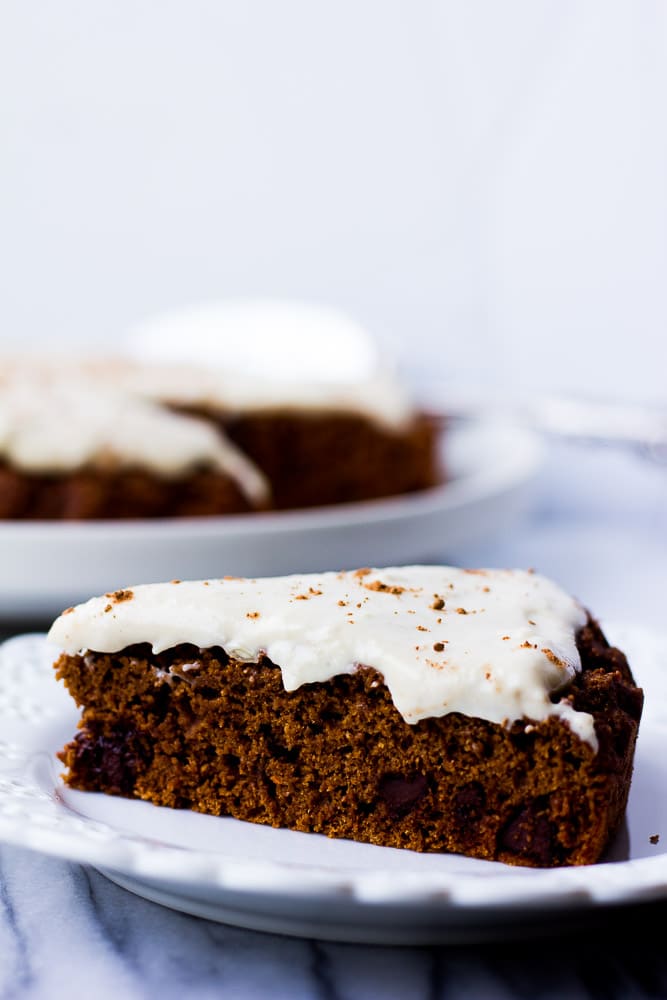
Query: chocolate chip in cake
401, 793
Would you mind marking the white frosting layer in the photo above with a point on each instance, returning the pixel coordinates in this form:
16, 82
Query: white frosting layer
262, 354
61, 414
273, 338
54, 424
494, 644
378, 398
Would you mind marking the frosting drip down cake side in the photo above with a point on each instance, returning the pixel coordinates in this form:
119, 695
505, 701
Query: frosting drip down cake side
431, 708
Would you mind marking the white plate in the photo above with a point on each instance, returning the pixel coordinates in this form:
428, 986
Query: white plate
303, 884
47, 566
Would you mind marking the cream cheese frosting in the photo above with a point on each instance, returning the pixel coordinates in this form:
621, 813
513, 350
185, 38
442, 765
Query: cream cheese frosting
378, 397
52, 424
263, 355
493, 644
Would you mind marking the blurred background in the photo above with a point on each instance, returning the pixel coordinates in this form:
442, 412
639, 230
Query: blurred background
482, 184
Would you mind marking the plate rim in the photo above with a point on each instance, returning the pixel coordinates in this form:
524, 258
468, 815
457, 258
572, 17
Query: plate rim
86, 840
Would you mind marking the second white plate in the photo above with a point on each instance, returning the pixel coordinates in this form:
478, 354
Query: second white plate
47, 566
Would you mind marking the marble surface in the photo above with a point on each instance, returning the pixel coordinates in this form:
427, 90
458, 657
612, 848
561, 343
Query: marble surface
600, 527
66, 932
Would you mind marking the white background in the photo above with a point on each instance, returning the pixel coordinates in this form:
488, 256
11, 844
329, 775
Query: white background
482, 183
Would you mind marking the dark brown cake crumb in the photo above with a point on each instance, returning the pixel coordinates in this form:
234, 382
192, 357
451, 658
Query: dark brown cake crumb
224, 737
655, 838
327, 458
97, 494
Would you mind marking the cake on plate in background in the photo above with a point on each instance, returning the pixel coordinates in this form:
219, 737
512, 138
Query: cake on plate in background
114, 438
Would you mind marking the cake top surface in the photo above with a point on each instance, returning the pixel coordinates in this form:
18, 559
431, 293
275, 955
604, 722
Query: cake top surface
49, 423
493, 644
378, 397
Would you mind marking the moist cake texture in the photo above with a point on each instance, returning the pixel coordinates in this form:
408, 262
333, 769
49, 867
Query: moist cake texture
480, 712
328, 458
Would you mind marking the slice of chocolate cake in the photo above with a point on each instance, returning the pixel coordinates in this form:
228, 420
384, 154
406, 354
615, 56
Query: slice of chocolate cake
437, 709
